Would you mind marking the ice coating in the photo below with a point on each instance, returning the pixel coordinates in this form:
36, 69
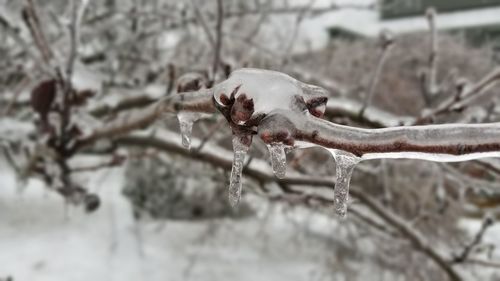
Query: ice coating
270, 90
278, 159
441, 143
186, 121
285, 112
344, 163
240, 150
186, 127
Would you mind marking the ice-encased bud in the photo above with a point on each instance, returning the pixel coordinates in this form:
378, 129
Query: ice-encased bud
268, 91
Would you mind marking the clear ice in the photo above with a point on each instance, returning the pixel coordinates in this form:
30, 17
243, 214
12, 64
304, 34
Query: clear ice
345, 163
269, 90
240, 150
278, 159
186, 121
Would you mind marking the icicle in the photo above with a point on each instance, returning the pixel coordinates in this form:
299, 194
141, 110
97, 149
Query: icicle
278, 159
345, 163
240, 150
186, 126
186, 121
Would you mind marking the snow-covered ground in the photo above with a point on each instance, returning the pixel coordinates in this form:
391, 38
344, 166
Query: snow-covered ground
41, 240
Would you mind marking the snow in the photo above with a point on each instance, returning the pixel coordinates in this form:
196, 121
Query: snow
313, 30
13, 129
39, 242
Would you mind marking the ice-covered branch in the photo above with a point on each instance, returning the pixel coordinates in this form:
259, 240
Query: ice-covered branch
443, 143
463, 98
193, 102
285, 113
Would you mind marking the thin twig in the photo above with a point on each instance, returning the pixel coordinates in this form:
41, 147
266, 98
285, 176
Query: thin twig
484, 263
31, 19
464, 255
218, 38
386, 44
77, 10
201, 20
293, 38
462, 99
431, 87
210, 133
17, 92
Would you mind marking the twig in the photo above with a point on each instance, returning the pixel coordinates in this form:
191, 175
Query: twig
431, 86
17, 92
32, 21
201, 20
462, 99
218, 38
478, 90
13, 32
293, 38
387, 43
189, 101
464, 255
116, 160
77, 11
484, 263
124, 104
210, 133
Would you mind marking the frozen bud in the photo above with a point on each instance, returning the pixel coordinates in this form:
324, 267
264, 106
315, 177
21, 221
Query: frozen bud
190, 82
242, 109
80, 98
430, 13
255, 92
461, 84
225, 100
118, 159
317, 106
171, 71
91, 202
386, 38
276, 128
226, 69
42, 97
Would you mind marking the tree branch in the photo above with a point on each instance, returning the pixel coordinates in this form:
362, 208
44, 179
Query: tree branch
444, 143
200, 101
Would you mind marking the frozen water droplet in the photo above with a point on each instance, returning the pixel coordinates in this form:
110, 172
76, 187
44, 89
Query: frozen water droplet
186, 121
186, 131
278, 159
345, 163
240, 150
